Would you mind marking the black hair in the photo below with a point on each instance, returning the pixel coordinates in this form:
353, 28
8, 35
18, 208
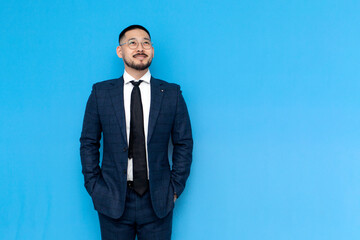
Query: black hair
131, 27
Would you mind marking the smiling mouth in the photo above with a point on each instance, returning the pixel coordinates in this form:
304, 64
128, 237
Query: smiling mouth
140, 56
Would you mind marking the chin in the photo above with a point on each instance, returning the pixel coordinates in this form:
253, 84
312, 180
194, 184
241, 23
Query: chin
138, 66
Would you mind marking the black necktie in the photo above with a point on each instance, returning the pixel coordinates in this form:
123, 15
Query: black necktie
137, 141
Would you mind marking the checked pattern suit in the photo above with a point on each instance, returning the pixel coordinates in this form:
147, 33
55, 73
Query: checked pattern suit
105, 117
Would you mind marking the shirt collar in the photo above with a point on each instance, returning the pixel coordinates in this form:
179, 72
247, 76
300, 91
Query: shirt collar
127, 77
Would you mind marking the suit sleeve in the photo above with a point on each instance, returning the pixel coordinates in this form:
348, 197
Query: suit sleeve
90, 142
183, 145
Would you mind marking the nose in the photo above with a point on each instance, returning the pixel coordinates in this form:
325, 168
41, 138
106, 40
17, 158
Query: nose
140, 47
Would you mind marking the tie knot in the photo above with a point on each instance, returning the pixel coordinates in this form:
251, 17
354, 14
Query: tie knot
136, 84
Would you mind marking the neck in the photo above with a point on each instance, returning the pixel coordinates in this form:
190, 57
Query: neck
137, 74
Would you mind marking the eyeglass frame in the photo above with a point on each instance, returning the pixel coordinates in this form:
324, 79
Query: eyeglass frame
142, 43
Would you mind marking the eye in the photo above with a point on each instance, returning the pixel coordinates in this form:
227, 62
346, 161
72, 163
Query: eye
146, 43
132, 43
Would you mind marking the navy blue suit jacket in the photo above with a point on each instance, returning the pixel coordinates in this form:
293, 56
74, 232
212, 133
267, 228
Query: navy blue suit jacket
105, 116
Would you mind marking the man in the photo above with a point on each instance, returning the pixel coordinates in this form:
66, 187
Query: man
134, 190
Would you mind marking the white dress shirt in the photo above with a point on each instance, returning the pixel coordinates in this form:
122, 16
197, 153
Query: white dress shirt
145, 100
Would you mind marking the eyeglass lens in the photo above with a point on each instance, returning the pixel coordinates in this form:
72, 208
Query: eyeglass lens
133, 44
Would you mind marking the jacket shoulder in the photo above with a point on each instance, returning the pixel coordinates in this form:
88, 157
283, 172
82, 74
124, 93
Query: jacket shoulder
170, 86
107, 84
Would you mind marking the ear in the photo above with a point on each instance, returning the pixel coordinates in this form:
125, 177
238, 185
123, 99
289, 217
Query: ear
119, 51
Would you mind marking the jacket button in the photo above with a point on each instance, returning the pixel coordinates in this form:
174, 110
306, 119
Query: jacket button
124, 172
125, 149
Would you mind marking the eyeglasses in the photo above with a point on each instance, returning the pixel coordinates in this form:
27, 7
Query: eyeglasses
133, 44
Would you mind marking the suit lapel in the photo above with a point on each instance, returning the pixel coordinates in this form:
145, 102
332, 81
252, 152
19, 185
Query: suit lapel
157, 93
117, 99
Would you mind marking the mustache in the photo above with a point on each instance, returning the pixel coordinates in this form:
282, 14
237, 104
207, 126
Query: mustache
140, 54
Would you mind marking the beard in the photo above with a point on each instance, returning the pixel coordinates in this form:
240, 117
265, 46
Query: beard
139, 66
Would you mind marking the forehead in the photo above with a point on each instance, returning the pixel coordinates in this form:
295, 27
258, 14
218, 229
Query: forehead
136, 33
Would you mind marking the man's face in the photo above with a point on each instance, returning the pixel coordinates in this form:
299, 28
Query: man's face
139, 58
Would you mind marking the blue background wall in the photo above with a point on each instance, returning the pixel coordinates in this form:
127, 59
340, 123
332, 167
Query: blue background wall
273, 92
